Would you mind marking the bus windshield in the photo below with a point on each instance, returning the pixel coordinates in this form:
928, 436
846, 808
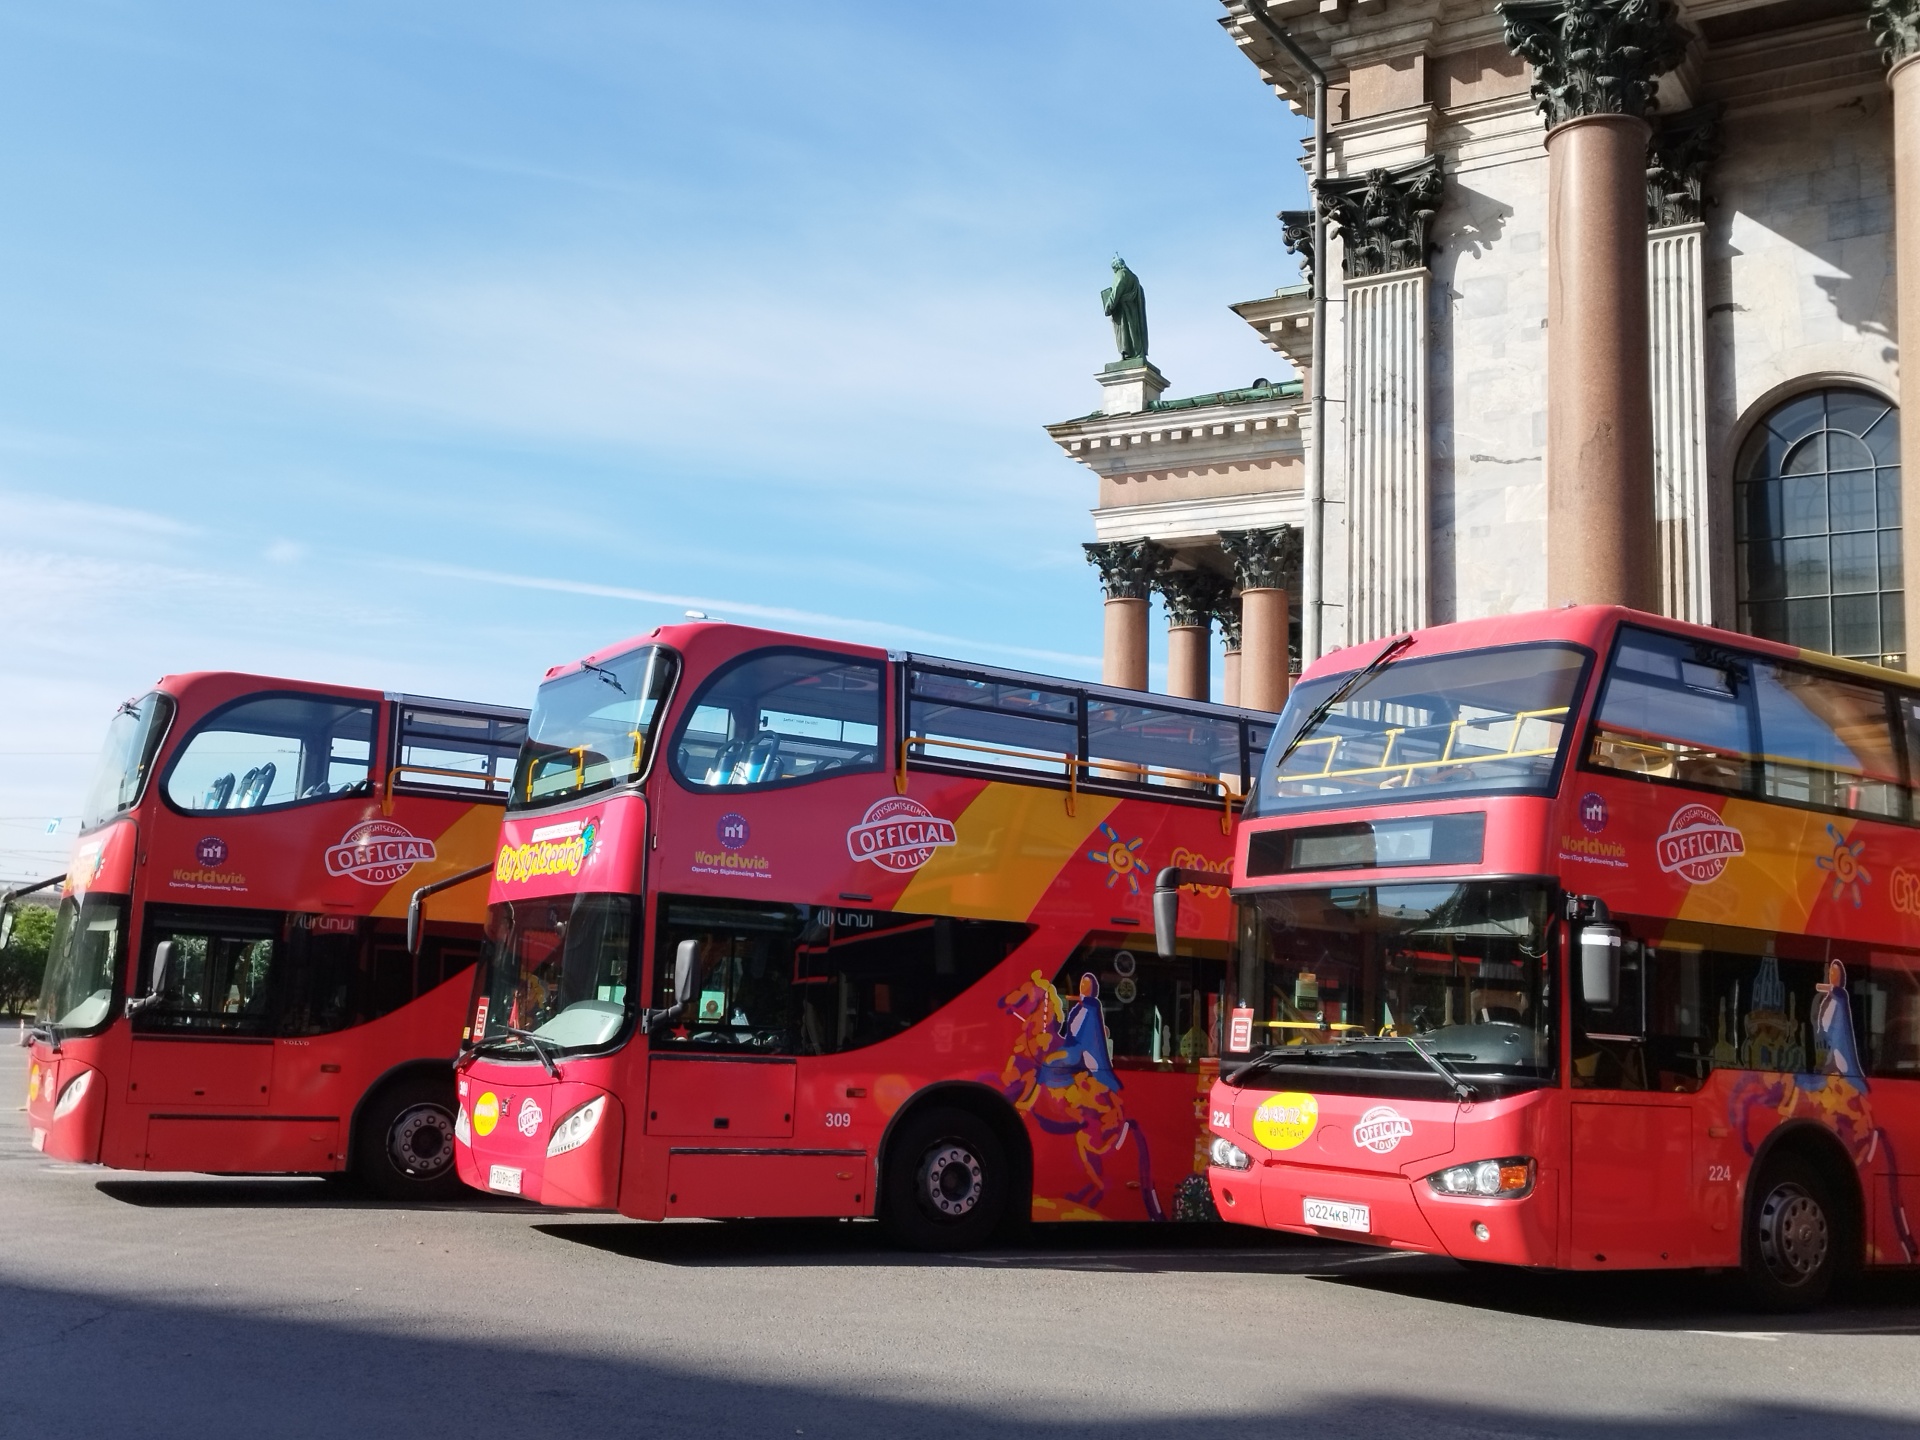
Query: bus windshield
83, 959
133, 737
557, 969
1472, 723
593, 728
1345, 982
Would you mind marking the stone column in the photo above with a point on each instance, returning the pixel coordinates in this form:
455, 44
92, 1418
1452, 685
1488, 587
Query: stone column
1683, 147
1190, 596
1227, 615
1382, 218
1265, 563
1896, 26
1595, 65
1127, 569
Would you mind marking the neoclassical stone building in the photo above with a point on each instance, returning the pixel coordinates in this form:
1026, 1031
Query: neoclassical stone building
1612, 315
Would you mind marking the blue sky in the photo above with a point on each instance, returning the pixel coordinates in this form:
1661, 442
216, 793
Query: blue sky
423, 346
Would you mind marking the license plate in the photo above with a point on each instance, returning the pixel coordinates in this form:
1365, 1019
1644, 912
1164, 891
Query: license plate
1339, 1215
504, 1177
39, 1138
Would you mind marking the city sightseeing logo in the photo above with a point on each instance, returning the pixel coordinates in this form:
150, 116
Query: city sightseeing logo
550, 850
899, 834
378, 852
1121, 857
1844, 865
1698, 845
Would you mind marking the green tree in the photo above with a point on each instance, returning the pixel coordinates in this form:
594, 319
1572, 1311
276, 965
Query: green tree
24, 960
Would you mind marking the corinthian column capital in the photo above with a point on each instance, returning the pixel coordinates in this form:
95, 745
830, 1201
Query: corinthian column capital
1263, 559
1679, 154
1594, 57
1896, 28
1190, 595
1127, 567
1226, 614
1382, 216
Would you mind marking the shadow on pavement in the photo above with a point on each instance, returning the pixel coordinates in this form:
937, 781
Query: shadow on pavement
119, 1365
1884, 1303
283, 1192
1117, 1246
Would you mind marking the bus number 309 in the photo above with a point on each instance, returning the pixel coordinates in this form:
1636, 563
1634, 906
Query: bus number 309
839, 1119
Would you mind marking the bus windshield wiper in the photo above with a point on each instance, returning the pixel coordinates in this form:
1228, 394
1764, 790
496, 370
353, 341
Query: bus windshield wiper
533, 1042
1340, 692
605, 674
1442, 1069
539, 1047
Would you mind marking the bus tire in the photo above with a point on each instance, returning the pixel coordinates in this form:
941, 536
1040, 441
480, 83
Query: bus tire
948, 1182
404, 1150
1795, 1236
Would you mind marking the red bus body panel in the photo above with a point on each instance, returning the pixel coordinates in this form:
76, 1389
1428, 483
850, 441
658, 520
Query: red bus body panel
257, 1104
1627, 1179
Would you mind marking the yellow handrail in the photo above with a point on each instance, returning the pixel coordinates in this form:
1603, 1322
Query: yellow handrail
393, 774
1405, 768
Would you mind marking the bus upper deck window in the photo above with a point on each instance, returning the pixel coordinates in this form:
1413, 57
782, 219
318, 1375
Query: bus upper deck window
272, 750
781, 716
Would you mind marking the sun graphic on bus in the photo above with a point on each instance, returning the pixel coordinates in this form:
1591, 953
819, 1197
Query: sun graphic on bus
1121, 857
1844, 863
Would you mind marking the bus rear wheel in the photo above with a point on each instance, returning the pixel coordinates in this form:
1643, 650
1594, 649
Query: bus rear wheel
404, 1150
947, 1184
1793, 1245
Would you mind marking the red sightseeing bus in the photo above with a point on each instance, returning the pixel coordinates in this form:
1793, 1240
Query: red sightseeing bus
229, 986
786, 927
1588, 940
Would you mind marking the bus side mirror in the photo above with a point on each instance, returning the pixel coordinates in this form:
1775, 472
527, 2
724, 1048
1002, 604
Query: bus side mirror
6, 924
1166, 920
686, 971
1600, 965
157, 985
414, 907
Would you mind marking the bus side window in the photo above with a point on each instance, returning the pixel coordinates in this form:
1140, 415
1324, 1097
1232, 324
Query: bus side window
218, 982
272, 750
1158, 1011
778, 716
1887, 1014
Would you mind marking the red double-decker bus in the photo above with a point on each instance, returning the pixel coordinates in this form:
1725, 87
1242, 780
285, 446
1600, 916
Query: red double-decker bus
786, 927
1588, 940
229, 986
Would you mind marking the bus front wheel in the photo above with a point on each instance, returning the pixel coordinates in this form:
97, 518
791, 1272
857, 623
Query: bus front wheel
948, 1182
1794, 1236
404, 1150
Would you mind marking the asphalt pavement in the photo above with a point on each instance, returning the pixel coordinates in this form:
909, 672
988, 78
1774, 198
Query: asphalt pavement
190, 1306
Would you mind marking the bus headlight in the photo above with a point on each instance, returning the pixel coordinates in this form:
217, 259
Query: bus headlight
576, 1129
75, 1092
1485, 1179
462, 1131
1229, 1156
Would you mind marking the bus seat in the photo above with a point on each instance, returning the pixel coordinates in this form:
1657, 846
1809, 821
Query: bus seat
762, 762
254, 793
314, 791
218, 793
720, 772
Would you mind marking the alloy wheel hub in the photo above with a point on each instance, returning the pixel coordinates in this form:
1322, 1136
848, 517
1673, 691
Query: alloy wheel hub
421, 1141
1793, 1234
950, 1179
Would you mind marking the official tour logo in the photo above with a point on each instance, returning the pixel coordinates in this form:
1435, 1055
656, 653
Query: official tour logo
529, 1117
899, 834
378, 852
1381, 1128
1698, 845
211, 851
732, 831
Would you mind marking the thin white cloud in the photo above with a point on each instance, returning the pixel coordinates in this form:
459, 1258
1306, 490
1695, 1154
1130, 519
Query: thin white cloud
724, 608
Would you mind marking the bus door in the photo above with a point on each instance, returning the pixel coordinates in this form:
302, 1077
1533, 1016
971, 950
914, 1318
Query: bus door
1632, 1157
201, 1064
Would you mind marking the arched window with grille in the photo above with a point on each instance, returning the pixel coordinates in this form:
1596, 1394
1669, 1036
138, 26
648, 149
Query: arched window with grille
1816, 505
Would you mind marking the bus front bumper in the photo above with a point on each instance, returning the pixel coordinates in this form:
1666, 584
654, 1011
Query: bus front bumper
66, 1106
555, 1142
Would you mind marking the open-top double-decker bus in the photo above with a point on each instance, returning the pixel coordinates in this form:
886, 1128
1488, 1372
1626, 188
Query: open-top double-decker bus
786, 927
1583, 939
229, 986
